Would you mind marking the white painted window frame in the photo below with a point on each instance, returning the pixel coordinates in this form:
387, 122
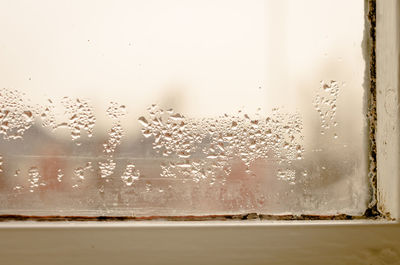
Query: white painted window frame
243, 242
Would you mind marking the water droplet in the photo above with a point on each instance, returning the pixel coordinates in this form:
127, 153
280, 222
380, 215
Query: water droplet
176, 117
234, 125
18, 188
143, 121
146, 133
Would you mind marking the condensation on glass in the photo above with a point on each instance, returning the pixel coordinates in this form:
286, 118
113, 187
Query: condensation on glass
182, 107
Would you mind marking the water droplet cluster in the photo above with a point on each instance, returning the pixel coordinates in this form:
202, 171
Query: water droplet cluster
79, 174
288, 175
47, 114
80, 115
230, 158
219, 141
34, 179
172, 132
107, 168
60, 175
15, 115
130, 175
116, 111
325, 103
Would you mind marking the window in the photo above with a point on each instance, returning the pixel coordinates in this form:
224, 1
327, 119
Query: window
250, 242
149, 109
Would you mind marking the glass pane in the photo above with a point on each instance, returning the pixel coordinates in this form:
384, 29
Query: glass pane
182, 107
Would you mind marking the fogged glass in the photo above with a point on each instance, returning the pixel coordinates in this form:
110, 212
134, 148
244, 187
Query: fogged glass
182, 107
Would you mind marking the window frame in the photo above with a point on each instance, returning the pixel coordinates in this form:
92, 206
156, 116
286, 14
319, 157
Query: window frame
388, 116
363, 241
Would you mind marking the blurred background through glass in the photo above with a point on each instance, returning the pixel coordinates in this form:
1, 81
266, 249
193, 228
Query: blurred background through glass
182, 107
